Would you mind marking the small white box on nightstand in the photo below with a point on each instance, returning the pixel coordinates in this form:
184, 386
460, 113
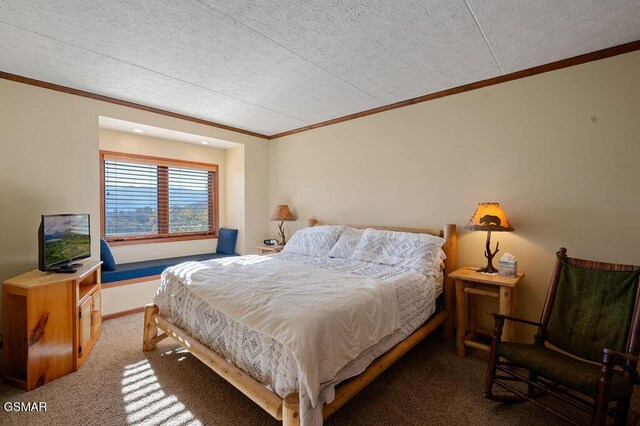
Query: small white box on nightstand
507, 268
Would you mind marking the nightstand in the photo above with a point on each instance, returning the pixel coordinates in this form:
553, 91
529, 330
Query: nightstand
268, 249
471, 283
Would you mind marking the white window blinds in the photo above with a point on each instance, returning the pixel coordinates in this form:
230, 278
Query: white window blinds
156, 198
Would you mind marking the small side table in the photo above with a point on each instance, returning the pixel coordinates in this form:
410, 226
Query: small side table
471, 283
268, 249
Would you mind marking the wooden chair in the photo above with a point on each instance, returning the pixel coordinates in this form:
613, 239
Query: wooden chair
591, 313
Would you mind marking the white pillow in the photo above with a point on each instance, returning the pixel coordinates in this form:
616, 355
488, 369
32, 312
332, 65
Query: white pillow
314, 241
418, 252
346, 244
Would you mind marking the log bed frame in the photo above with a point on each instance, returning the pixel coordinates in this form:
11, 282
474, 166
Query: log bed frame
287, 409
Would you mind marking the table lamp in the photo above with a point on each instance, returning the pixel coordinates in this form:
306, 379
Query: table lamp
489, 217
282, 214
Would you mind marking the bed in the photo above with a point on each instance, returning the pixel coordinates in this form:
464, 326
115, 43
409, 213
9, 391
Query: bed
236, 315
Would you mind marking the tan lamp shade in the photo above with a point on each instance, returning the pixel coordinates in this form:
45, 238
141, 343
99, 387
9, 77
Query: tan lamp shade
282, 213
489, 217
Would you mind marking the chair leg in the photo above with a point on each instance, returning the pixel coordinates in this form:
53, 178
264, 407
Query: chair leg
622, 412
493, 359
491, 373
601, 407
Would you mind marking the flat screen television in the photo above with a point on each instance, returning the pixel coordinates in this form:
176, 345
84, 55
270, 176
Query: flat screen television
63, 239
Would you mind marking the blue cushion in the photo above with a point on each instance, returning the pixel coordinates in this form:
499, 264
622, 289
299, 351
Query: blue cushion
148, 268
227, 241
108, 262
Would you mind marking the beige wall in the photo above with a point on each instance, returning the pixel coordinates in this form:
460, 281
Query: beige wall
560, 151
49, 164
235, 210
125, 298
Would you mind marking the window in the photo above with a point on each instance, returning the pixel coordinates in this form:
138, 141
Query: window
148, 199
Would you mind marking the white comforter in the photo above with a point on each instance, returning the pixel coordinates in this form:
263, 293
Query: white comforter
325, 318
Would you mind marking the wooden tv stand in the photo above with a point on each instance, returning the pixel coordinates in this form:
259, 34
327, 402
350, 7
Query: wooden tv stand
51, 322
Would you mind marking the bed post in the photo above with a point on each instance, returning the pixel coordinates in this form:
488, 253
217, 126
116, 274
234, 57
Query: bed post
291, 410
449, 247
150, 331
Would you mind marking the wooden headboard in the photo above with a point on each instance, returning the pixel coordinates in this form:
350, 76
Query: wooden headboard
449, 233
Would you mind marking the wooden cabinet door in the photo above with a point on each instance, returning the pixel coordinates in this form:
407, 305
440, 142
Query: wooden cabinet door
86, 331
96, 314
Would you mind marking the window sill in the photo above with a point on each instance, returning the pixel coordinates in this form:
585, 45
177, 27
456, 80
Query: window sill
153, 240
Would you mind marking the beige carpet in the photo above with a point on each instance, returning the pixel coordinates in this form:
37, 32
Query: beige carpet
119, 385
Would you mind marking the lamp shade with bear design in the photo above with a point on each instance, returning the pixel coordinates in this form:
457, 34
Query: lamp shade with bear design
489, 217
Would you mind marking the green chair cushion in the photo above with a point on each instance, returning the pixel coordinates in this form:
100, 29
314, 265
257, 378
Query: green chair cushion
562, 369
592, 310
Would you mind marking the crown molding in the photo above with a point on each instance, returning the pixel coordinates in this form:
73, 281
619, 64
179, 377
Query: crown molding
91, 95
563, 63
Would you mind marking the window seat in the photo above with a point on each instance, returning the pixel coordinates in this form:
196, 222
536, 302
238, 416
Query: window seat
150, 268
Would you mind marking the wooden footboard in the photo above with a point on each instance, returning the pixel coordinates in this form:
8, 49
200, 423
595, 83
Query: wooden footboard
269, 401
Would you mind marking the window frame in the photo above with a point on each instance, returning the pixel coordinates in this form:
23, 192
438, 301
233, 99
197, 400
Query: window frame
214, 209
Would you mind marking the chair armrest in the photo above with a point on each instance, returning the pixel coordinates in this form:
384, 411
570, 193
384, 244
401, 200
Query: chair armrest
608, 361
510, 318
621, 355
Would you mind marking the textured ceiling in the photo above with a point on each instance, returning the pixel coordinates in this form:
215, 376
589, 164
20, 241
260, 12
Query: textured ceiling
269, 67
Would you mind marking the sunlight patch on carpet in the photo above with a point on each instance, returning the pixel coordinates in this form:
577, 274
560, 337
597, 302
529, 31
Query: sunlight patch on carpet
146, 403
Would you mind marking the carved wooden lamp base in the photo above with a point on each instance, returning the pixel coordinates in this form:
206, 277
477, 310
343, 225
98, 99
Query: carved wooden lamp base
489, 269
283, 239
